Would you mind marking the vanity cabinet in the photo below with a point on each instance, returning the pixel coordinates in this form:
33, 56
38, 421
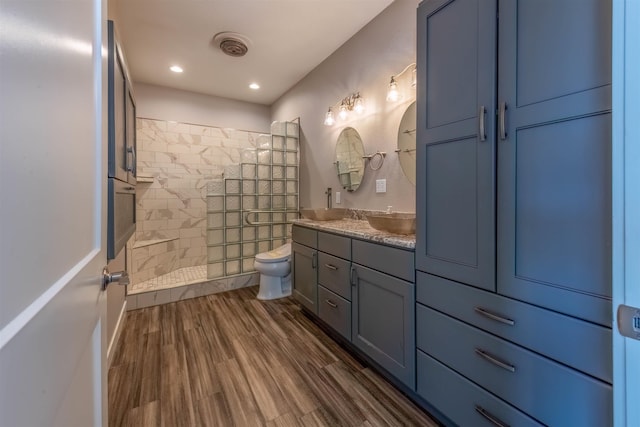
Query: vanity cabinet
122, 114
334, 289
304, 266
364, 291
513, 236
383, 307
541, 171
121, 170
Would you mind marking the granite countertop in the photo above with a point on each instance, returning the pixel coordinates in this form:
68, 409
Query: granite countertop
361, 229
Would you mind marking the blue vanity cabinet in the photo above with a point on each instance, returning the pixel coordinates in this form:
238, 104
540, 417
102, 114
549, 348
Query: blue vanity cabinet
526, 150
513, 239
304, 265
121, 113
383, 307
456, 95
554, 156
121, 148
334, 289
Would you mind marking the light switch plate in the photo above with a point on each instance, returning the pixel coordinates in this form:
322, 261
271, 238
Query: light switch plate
337, 197
381, 185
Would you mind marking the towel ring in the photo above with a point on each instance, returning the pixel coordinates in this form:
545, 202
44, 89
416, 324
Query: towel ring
371, 157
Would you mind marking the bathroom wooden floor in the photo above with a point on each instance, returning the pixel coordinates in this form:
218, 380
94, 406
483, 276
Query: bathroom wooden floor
231, 360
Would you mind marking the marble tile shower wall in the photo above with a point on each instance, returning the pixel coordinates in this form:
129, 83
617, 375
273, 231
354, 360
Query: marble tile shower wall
171, 210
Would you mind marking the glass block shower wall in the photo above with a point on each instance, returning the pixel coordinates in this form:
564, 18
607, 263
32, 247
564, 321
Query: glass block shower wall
250, 210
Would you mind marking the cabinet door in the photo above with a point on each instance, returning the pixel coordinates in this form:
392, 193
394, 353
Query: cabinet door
131, 165
116, 105
305, 285
554, 156
383, 321
455, 233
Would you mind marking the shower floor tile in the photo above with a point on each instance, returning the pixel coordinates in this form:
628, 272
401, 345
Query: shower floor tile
179, 277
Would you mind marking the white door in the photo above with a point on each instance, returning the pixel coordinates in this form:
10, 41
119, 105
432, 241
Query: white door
626, 204
52, 212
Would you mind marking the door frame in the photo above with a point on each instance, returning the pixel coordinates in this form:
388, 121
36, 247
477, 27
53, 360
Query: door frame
625, 203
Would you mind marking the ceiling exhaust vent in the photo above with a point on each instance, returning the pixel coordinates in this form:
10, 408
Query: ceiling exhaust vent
233, 44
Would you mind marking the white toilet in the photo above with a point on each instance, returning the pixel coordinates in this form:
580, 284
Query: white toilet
275, 272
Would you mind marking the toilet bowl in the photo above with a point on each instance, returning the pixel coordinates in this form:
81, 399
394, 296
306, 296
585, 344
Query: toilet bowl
275, 272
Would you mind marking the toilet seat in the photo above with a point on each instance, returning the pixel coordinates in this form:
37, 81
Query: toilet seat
276, 255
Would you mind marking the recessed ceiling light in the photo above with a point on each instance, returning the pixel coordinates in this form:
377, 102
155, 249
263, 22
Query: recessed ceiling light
176, 69
254, 86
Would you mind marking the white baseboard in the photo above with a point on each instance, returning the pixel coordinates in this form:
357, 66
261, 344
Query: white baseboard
116, 333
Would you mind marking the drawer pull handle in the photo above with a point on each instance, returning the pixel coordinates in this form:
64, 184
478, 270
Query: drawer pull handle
314, 260
495, 360
331, 303
483, 133
503, 127
352, 276
490, 417
331, 267
494, 316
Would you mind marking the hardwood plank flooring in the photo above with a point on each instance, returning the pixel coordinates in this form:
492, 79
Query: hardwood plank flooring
231, 360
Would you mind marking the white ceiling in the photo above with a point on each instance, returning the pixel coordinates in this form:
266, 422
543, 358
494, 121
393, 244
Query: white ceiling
288, 39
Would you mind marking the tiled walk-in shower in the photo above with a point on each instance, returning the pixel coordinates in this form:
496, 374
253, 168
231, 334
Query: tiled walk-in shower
198, 234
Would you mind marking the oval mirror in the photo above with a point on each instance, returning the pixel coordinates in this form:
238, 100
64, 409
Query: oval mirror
349, 162
407, 143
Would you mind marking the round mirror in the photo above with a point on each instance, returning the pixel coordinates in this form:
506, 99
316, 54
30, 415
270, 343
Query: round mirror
407, 143
349, 162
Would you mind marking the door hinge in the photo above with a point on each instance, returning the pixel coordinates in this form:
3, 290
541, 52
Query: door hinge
629, 321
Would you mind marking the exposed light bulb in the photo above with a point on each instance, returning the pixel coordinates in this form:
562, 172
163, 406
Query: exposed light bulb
254, 86
392, 93
176, 69
328, 118
358, 105
343, 113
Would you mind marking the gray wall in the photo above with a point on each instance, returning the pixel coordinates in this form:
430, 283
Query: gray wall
365, 63
161, 103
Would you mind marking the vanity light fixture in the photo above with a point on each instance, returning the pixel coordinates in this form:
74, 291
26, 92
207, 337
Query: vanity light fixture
328, 118
358, 105
353, 102
393, 94
343, 114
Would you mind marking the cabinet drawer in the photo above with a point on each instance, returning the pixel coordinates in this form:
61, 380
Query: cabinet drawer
305, 236
334, 245
397, 262
540, 330
335, 311
551, 393
333, 274
461, 400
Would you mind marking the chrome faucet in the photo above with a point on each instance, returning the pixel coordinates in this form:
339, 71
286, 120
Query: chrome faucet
328, 193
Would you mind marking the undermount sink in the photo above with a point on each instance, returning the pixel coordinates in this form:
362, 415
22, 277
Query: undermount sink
323, 214
397, 223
